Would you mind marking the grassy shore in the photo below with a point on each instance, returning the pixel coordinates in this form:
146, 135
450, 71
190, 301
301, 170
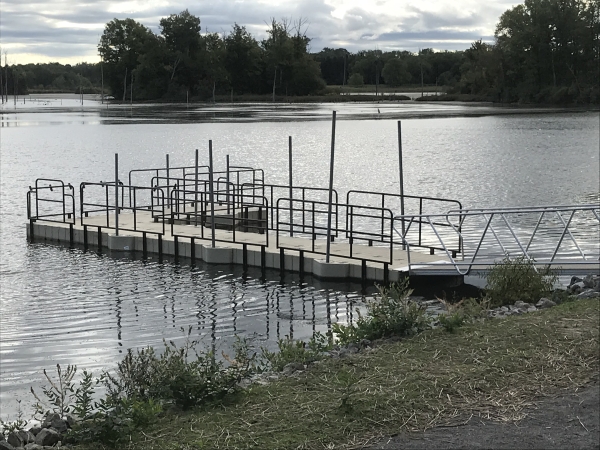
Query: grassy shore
493, 368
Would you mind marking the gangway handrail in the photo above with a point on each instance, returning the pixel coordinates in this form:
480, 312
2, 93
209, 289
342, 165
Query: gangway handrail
488, 215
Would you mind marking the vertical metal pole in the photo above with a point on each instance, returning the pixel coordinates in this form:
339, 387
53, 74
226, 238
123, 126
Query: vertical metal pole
330, 188
196, 191
212, 192
291, 190
102, 79
401, 177
116, 194
227, 187
168, 182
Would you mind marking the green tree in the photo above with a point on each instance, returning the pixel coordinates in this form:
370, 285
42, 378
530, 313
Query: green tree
242, 60
394, 72
548, 46
181, 33
121, 45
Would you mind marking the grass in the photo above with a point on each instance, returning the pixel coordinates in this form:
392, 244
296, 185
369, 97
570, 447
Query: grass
493, 368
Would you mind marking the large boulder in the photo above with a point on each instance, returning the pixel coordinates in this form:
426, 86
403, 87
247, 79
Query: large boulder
5, 445
47, 437
545, 303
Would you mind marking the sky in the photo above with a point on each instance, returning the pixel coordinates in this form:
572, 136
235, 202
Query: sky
68, 31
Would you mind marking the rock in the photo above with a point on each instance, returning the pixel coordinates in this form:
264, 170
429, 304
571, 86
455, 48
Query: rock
71, 421
33, 446
292, 367
47, 437
5, 445
590, 281
588, 294
531, 308
574, 280
59, 424
545, 303
504, 309
15, 439
576, 288
35, 430
245, 383
364, 343
522, 305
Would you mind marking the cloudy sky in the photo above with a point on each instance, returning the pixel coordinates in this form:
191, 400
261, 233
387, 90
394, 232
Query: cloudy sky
68, 31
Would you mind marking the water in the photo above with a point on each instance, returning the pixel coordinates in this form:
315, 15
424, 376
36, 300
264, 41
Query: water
68, 306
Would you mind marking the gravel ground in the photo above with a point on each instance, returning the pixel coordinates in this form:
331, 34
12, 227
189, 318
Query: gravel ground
567, 421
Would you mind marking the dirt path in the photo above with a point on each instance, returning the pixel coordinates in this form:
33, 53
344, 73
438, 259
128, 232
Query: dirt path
569, 421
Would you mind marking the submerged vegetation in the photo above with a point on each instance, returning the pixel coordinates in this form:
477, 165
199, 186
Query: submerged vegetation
545, 51
423, 376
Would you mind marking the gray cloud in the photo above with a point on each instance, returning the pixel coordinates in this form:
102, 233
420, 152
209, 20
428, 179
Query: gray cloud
63, 29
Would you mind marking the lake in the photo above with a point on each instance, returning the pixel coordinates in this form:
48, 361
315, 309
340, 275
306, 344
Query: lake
68, 306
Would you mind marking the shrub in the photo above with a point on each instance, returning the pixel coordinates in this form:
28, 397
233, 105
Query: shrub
356, 79
518, 279
297, 351
391, 313
174, 376
465, 311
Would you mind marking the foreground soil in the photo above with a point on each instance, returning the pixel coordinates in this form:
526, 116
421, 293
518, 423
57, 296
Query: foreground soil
567, 421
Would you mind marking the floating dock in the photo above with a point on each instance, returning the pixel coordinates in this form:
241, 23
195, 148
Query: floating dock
234, 217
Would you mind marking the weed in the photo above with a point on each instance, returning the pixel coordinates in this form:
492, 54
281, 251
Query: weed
465, 311
392, 313
84, 393
15, 425
291, 350
174, 376
59, 394
347, 381
517, 279
451, 322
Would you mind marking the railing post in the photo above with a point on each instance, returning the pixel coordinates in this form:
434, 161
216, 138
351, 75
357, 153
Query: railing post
168, 182
212, 193
196, 191
401, 177
116, 194
291, 190
330, 188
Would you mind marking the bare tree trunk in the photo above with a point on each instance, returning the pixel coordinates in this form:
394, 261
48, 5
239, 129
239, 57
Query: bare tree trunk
131, 99
214, 88
125, 85
274, 81
422, 93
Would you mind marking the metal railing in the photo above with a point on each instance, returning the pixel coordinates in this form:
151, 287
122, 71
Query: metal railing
314, 226
558, 236
181, 176
51, 201
235, 216
275, 192
413, 205
144, 200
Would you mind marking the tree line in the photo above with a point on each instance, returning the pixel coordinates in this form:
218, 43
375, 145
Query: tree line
544, 51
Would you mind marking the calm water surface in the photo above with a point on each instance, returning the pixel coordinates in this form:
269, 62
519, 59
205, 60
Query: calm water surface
68, 306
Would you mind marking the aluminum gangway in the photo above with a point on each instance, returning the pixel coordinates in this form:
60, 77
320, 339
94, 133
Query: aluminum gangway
563, 238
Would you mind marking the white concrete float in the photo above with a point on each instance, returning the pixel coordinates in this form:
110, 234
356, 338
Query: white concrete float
339, 268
